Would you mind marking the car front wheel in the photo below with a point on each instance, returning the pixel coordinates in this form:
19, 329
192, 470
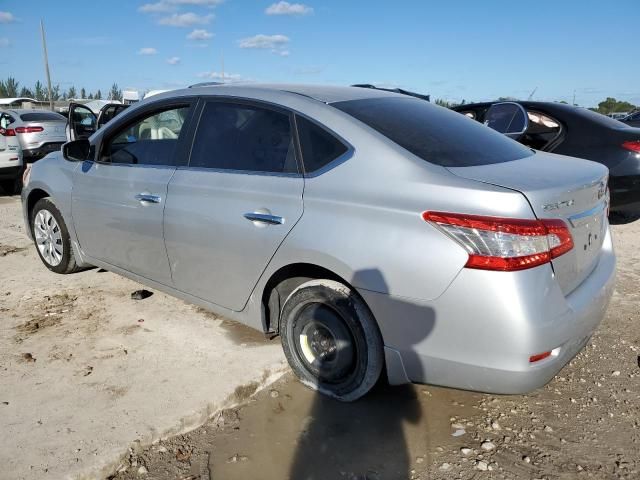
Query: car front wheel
331, 339
51, 237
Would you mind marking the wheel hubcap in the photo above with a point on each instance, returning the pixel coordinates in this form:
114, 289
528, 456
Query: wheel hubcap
48, 237
325, 343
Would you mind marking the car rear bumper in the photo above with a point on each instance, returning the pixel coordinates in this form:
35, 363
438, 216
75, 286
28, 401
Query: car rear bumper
625, 193
33, 154
9, 173
479, 334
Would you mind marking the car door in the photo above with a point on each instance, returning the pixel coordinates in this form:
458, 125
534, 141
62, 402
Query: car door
508, 118
109, 111
81, 123
229, 210
118, 197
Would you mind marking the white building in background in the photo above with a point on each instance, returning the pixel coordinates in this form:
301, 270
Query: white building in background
130, 96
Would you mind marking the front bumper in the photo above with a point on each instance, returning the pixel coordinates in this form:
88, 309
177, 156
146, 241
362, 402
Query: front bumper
625, 193
479, 334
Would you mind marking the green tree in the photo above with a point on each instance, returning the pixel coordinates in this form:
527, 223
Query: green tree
611, 105
55, 93
443, 103
91, 96
98, 95
115, 93
11, 87
83, 93
71, 93
38, 91
25, 92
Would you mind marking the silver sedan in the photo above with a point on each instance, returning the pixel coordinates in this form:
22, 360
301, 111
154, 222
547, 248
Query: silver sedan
376, 233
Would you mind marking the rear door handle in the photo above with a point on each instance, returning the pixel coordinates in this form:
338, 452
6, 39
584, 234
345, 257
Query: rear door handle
148, 198
264, 218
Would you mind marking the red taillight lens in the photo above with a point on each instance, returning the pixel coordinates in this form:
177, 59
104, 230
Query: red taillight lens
539, 356
505, 244
7, 132
29, 129
633, 146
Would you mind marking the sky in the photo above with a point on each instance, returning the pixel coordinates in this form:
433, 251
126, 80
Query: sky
472, 50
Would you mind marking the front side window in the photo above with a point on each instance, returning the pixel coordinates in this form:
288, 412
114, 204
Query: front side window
437, 135
243, 137
150, 141
319, 147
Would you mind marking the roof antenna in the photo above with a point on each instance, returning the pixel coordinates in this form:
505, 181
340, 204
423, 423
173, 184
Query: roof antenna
531, 95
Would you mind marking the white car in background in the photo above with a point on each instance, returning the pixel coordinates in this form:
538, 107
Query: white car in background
11, 164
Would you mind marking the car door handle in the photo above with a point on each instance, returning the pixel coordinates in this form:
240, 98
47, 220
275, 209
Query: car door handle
148, 198
264, 218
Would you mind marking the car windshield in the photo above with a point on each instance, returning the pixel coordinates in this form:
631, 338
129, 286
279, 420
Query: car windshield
41, 117
433, 133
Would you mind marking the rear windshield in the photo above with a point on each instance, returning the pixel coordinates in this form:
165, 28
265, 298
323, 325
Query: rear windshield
41, 117
435, 134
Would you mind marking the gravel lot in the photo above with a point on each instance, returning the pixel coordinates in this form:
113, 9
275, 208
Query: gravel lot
584, 424
94, 384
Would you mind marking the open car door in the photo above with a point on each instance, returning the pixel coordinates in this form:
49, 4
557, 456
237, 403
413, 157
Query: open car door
508, 118
82, 122
109, 111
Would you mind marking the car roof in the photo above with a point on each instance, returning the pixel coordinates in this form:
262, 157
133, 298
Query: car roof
21, 111
322, 93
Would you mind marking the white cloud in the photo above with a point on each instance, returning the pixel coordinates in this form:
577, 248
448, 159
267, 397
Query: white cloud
204, 3
185, 19
159, 7
282, 53
274, 42
173, 60
7, 17
4, 42
164, 6
199, 34
147, 51
286, 8
217, 76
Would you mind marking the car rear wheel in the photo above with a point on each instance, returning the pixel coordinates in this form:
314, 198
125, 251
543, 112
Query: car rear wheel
51, 238
331, 339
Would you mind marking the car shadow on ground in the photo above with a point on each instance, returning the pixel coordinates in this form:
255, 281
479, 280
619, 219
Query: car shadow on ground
365, 439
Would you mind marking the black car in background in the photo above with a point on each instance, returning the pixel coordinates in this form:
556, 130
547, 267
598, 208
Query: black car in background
633, 119
573, 131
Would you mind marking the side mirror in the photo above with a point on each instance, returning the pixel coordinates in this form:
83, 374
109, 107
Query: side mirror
76, 151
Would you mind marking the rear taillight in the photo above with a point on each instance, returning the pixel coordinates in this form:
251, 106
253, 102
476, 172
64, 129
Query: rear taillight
7, 132
29, 129
632, 146
505, 244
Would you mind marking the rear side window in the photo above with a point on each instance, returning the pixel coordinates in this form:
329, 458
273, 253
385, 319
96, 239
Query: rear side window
42, 117
244, 137
439, 136
319, 147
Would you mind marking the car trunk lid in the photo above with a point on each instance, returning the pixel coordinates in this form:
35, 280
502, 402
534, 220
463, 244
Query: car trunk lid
558, 187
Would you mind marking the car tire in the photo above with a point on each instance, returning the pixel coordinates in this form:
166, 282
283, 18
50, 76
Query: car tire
51, 238
331, 340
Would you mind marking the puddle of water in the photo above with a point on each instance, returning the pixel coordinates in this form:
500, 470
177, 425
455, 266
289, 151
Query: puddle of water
292, 432
243, 335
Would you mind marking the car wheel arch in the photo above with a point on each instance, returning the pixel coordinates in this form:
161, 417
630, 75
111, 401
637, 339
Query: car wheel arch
34, 196
284, 281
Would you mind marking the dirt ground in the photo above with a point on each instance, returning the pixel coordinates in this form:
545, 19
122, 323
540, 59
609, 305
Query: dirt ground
584, 424
86, 371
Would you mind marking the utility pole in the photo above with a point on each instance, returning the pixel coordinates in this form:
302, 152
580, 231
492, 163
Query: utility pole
46, 64
574, 97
